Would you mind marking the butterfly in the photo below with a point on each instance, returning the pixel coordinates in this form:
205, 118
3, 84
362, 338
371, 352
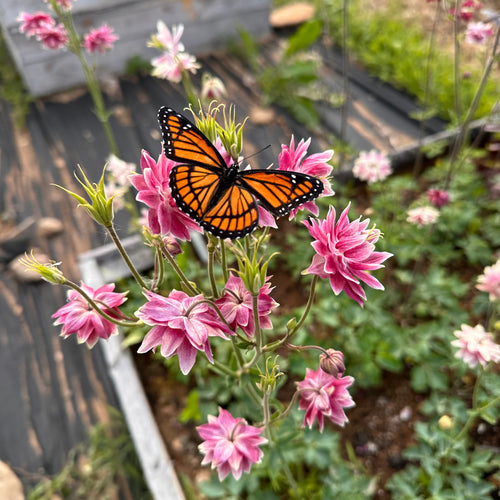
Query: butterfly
222, 199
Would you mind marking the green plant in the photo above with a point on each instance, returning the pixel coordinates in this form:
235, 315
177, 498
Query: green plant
98, 468
12, 87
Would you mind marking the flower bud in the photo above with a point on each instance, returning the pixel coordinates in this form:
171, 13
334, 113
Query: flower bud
48, 271
332, 362
171, 245
212, 87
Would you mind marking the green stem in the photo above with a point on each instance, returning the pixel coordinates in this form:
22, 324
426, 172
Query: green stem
274, 345
288, 409
220, 367
267, 416
345, 78
456, 64
257, 333
126, 258
180, 274
74, 45
428, 77
464, 128
159, 271
223, 256
190, 92
210, 270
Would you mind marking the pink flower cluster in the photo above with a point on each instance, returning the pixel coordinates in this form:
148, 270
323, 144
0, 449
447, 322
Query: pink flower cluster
438, 197
324, 395
53, 36
230, 444
181, 325
476, 346
345, 252
117, 179
467, 10
478, 33
78, 317
174, 60
371, 166
237, 309
99, 40
489, 281
41, 25
423, 216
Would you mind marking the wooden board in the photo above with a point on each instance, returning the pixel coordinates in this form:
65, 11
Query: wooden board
208, 24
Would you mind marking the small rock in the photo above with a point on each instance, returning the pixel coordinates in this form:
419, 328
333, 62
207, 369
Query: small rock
291, 15
10, 485
261, 116
18, 238
405, 414
49, 226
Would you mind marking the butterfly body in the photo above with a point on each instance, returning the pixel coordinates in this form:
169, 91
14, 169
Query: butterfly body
221, 198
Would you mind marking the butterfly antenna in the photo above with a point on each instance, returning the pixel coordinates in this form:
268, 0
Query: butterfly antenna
256, 153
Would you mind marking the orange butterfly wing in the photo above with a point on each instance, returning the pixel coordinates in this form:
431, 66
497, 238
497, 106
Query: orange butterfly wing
183, 142
280, 191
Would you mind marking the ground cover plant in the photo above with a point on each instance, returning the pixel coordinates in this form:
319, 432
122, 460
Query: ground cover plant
269, 390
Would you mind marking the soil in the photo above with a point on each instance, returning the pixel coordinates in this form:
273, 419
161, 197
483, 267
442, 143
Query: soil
380, 426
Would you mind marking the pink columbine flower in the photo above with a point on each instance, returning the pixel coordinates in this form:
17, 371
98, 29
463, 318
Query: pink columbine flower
489, 281
371, 166
212, 88
323, 395
475, 346
77, 316
236, 306
164, 217
438, 197
99, 39
170, 40
467, 10
32, 23
345, 252
170, 66
230, 444
478, 33
174, 60
181, 325
117, 179
423, 216
52, 37
294, 160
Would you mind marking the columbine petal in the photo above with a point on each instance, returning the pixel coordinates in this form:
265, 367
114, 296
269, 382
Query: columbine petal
230, 444
345, 252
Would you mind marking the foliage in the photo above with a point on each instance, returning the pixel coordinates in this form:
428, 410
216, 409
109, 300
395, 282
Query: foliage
12, 87
315, 460
396, 50
95, 468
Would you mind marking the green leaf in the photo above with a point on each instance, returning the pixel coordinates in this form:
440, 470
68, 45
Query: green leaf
306, 35
192, 409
